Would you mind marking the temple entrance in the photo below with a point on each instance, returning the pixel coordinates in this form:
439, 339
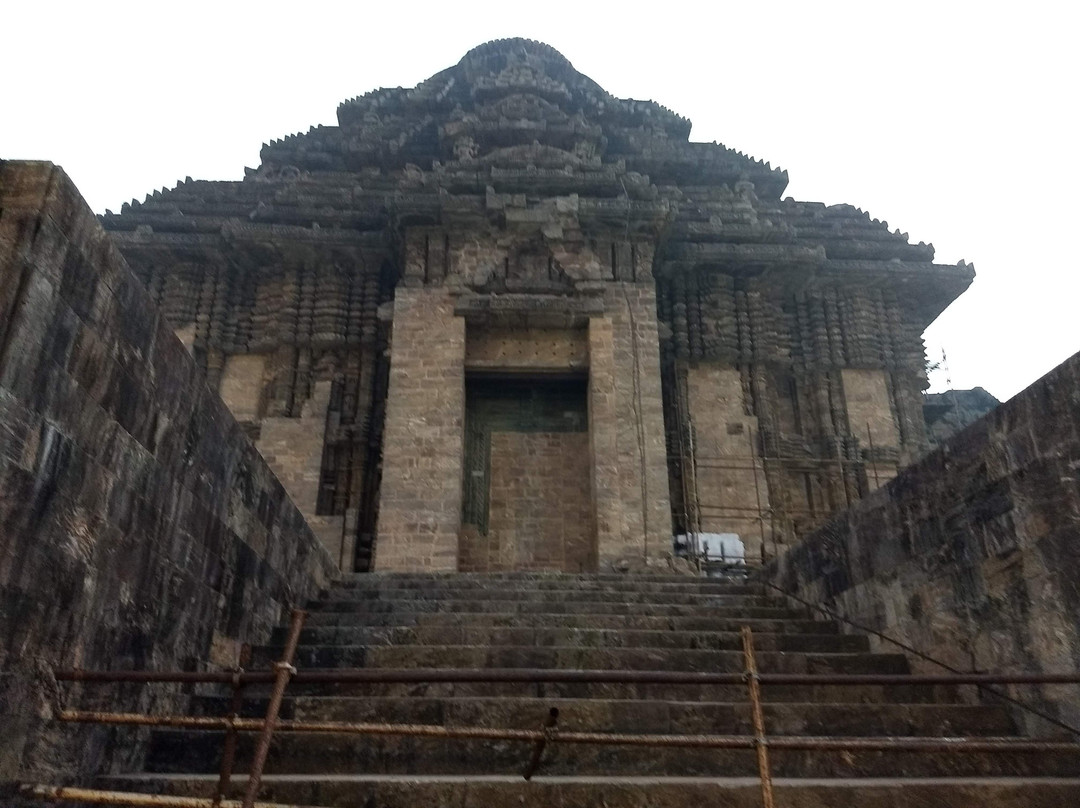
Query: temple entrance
527, 500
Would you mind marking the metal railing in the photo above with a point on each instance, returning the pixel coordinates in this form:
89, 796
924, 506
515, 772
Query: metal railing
283, 674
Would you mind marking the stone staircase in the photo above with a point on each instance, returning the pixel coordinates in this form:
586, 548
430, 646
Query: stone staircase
605, 622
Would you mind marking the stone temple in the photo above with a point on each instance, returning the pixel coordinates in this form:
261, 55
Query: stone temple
462, 382
504, 320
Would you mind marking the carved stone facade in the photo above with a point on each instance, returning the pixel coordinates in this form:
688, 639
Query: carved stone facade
727, 360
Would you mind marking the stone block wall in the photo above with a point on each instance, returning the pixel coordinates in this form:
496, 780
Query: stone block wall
971, 554
423, 443
539, 349
731, 483
528, 499
541, 508
626, 425
139, 527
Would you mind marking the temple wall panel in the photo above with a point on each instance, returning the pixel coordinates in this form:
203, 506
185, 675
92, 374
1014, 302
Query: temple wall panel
731, 488
293, 448
869, 411
812, 365
242, 385
186, 335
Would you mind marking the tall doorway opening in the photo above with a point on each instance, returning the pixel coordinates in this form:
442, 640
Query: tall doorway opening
527, 493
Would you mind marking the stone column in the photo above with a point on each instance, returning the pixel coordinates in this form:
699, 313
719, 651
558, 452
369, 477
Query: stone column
626, 426
423, 443
603, 446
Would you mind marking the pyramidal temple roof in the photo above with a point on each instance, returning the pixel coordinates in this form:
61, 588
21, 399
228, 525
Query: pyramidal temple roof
516, 101
514, 124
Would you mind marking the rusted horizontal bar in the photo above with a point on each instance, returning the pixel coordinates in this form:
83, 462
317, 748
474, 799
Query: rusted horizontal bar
857, 679
418, 730
188, 677
533, 675
958, 744
96, 797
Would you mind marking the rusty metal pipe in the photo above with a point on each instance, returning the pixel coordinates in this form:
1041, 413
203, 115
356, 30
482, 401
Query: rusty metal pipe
228, 751
535, 675
758, 716
94, 796
283, 670
175, 721
418, 730
958, 744
185, 677
917, 679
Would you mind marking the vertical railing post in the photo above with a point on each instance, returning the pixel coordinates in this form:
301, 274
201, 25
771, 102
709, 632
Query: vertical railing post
283, 671
873, 461
228, 749
757, 715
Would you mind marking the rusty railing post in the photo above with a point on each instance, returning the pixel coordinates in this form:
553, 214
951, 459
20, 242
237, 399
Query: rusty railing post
228, 749
283, 671
548, 728
761, 744
873, 460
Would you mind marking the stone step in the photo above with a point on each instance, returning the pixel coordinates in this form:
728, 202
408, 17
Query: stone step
890, 694
388, 583
614, 715
702, 600
577, 658
557, 608
707, 622
328, 636
510, 791
294, 753
604, 622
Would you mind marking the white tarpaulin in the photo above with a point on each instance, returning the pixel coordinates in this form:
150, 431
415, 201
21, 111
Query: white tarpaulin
715, 546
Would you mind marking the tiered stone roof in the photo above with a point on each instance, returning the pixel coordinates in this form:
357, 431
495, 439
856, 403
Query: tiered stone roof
514, 117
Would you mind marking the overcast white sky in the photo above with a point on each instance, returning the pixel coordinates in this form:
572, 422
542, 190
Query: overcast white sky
954, 121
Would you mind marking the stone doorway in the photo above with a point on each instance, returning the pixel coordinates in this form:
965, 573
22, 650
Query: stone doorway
527, 498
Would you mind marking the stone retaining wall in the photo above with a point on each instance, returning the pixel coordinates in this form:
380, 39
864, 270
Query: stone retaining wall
972, 554
139, 527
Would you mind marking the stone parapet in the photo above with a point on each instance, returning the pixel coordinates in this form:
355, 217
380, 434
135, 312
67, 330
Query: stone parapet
971, 554
139, 527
